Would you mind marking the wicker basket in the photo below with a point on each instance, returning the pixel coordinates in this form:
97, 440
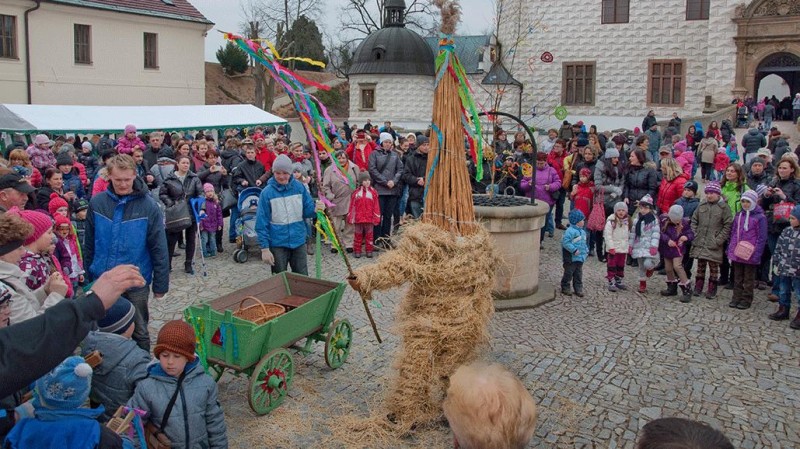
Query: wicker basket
258, 313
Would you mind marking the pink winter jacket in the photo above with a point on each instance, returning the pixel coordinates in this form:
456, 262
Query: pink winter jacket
125, 145
686, 161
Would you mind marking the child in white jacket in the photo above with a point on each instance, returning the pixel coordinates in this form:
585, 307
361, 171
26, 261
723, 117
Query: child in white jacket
643, 241
616, 235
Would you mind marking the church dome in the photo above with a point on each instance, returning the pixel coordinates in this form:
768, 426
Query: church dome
394, 49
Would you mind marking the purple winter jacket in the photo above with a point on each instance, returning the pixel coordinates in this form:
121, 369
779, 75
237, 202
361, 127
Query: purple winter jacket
669, 231
756, 233
544, 177
213, 219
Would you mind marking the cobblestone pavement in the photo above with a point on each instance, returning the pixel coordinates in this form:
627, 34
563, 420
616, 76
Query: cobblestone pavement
599, 367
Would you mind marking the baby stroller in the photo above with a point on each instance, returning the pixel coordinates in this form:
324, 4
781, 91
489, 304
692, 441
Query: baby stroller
246, 236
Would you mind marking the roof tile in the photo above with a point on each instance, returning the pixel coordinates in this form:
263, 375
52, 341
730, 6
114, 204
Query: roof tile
173, 9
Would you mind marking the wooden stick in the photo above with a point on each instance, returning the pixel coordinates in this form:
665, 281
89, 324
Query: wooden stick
352, 275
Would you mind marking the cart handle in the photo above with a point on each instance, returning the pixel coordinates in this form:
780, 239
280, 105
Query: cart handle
263, 307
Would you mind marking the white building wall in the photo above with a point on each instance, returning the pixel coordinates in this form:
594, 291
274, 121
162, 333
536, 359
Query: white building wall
405, 100
117, 75
657, 29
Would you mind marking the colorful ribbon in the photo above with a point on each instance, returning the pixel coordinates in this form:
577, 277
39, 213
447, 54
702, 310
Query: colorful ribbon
448, 63
313, 115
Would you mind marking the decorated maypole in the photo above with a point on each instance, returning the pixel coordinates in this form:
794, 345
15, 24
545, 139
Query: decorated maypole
448, 194
447, 258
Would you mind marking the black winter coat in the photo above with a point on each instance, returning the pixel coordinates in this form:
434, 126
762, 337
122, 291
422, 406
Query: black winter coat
639, 181
250, 171
414, 168
216, 179
173, 189
791, 188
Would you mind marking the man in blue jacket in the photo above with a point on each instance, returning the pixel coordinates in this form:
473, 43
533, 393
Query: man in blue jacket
282, 208
125, 226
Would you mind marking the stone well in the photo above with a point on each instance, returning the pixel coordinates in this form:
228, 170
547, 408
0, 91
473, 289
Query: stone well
515, 225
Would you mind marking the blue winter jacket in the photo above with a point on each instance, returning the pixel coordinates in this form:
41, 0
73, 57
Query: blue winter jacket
281, 210
575, 240
127, 230
72, 183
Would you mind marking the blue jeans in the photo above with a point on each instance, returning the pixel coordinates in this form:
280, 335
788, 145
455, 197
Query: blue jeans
208, 243
768, 123
401, 206
286, 257
788, 285
549, 225
416, 209
232, 227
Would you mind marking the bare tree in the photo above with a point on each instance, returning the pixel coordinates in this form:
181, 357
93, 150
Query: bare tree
340, 55
270, 19
362, 17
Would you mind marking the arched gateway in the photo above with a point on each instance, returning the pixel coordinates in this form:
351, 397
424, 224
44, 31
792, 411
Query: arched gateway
767, 42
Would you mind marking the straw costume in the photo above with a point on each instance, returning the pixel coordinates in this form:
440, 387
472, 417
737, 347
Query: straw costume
447, 258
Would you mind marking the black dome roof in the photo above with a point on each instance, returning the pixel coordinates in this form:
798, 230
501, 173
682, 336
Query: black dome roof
393, 50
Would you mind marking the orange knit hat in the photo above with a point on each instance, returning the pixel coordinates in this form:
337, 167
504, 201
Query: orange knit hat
176, 336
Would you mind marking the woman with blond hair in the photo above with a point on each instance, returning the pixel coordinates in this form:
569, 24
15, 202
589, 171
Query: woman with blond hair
19, 158
672, 181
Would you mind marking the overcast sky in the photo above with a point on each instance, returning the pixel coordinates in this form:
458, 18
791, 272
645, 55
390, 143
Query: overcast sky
227, 15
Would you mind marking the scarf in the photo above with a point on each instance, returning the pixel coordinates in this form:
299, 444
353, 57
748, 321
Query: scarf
647, 219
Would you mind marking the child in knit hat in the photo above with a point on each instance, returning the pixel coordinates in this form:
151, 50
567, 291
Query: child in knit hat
676, 231
748, 238
41, 244
711, 224
211, 222
178, 370
17, 230
364, 214
574, 251
57, 205
615, 235
124, 362
79, 220
582, 193
643, 241
59, 419
67, 251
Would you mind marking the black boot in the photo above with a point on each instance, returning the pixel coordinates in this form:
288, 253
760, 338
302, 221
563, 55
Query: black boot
712, 289
672, 289
687, 292
187, 268
795, 324
781, 314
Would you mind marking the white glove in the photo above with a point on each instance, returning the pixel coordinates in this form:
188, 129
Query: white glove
319, 206
267, 257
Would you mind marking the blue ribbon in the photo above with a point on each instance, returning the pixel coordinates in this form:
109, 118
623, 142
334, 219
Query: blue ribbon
435, 160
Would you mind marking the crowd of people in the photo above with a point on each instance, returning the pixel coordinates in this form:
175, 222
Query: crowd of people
76, 211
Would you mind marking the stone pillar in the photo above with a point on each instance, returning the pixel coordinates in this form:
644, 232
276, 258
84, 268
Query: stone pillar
515, 231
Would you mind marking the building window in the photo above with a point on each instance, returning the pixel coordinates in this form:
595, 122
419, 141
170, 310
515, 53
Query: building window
615, 11
697, 9
8, 36
368, 96
666, 82
83, 44
150, 50
578, 83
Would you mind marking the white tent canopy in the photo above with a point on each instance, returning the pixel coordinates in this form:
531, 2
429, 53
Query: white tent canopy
29, 119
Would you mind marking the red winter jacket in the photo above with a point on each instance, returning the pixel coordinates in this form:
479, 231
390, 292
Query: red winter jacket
266, 157
364, 207
670, 191
583, 197
557, 162
359, 158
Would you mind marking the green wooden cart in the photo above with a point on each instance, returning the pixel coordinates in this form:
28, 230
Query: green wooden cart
260, 351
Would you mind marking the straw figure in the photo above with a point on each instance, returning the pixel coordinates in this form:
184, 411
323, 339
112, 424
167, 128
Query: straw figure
447, 259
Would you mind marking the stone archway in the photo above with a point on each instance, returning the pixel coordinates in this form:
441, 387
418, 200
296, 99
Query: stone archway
767, 30
784, 65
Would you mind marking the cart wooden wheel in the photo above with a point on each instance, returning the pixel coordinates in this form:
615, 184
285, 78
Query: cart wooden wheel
270, 381
337, 345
